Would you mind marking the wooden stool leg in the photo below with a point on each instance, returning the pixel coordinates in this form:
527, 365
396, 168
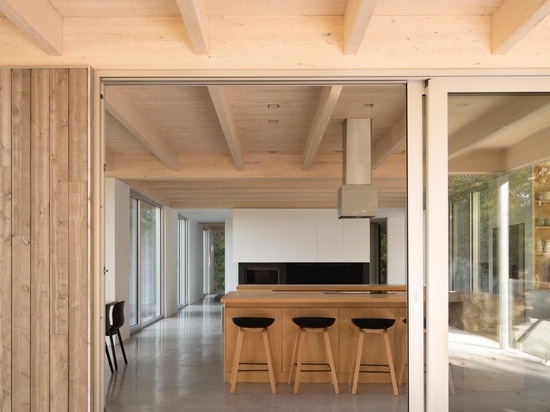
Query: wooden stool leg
269, 359
358, 362
299, 357
328, 350
293, 363
353, 361
236, 360
390, 362
403, 365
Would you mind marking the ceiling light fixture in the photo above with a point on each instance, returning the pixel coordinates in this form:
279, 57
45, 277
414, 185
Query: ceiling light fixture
368, 105
272, 106
273, 121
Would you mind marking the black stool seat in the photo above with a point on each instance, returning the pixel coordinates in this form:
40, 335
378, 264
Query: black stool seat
253, 322
373, 323
313, 322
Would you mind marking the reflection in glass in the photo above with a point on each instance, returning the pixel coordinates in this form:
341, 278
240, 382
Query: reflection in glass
499, 265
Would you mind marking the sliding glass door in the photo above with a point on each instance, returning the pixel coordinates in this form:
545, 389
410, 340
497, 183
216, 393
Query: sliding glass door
145, 262
488, 212
182, 261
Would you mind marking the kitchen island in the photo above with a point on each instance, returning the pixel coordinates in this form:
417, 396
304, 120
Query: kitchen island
343, 305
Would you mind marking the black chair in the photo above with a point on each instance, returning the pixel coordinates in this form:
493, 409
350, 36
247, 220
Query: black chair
107, 326
113, 324
306, 325
374, 326
253, 324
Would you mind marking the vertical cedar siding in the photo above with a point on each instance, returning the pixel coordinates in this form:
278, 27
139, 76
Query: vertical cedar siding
44, 234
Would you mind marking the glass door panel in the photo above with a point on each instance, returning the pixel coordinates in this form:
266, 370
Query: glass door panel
150, 263
182, 261
499, 277
134, 253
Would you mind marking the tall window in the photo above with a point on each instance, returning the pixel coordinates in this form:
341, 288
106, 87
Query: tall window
182, 261
498, 263
145, 261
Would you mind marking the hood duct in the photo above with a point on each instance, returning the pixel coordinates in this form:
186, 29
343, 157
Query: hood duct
357, 198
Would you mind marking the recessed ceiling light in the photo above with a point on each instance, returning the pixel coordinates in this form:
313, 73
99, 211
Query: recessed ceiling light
272, 106
368, 105
273, 121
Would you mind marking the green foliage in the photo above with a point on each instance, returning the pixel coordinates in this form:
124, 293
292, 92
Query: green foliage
219, 261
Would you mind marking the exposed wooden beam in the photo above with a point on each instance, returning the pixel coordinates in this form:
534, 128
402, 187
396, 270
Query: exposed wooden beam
534, 149
356, 22
479, 161
513, 20
131, 117
266, 166
223, 109
486, 127
195, 17
390, 143
39, 20
325, 107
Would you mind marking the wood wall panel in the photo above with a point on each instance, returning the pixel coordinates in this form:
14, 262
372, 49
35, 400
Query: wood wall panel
44, 229
78, 201
21, 251
5, 241
40, 240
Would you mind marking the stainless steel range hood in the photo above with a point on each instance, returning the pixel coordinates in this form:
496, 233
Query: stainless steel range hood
357, 198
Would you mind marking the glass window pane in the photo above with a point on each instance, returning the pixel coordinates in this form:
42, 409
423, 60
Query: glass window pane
150, 264
133, 275
499, 265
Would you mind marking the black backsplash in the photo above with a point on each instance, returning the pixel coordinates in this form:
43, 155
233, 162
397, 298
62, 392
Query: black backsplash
325, 273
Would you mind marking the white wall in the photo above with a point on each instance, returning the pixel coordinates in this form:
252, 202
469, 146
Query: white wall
312, 235
231, 267
117, 250
170, 264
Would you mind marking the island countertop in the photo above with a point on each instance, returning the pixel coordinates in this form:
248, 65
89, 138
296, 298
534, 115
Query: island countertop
283, 305
328, 298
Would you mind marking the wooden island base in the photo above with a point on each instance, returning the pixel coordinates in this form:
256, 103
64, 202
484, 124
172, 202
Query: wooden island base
283, 305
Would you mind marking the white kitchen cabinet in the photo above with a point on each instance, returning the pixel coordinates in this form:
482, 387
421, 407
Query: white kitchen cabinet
356, 240
303, 236
330, 236
298, 235
261, 235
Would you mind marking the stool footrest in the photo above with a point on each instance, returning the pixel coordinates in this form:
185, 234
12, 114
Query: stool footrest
315, 364
253, 363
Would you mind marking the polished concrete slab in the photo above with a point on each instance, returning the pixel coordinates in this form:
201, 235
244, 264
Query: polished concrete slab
176, 364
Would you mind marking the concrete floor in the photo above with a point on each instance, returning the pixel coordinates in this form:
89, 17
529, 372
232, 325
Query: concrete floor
176, 364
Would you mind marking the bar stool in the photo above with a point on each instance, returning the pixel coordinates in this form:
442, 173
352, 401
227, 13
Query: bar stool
253, 324
308, 325
372, 325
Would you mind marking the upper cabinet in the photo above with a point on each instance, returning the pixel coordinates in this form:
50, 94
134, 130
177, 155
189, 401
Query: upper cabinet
298, 235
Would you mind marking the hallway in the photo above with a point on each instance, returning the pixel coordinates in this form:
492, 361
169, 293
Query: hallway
176, 364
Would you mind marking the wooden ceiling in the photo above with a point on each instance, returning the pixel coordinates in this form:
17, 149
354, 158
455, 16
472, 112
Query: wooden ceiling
222, 145
255, 146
